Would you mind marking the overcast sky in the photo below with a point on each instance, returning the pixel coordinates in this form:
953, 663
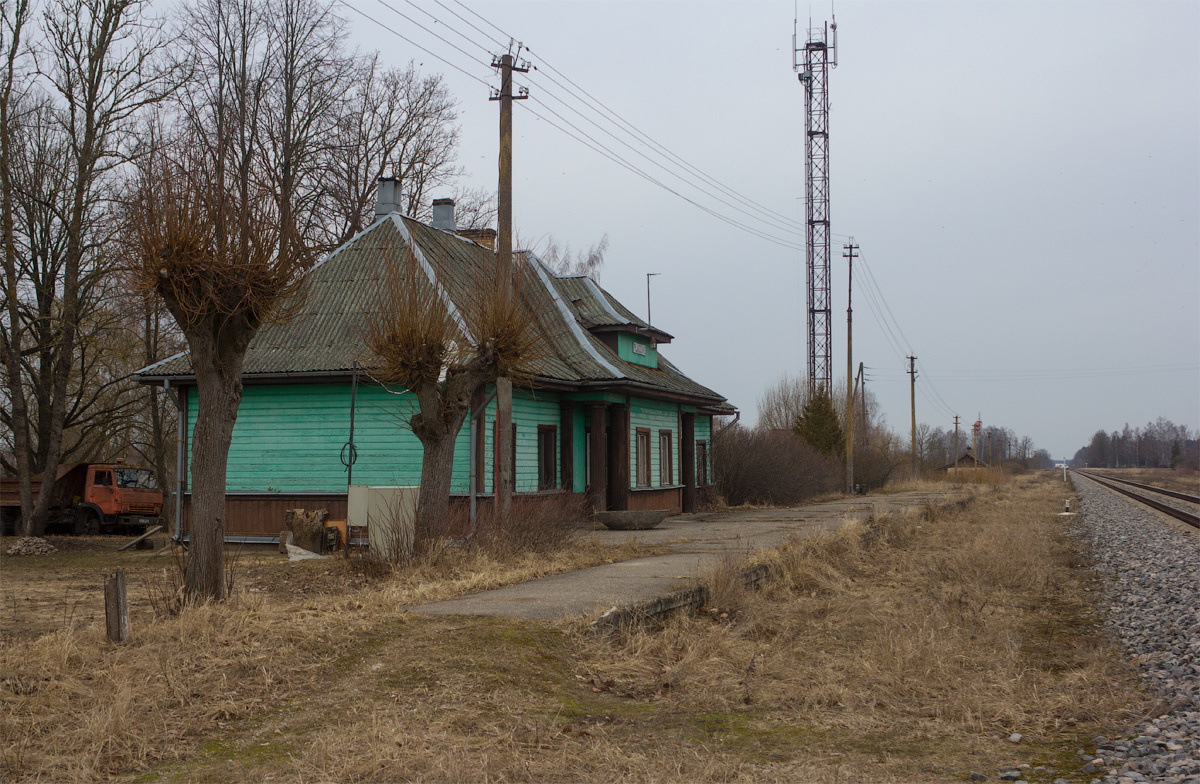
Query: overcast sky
1023, 180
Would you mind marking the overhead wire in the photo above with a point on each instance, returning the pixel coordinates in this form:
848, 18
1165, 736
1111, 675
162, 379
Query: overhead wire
620, 122
470, 24
452, 45
403, 37
773, 223
596, 146
632, 129
783, 222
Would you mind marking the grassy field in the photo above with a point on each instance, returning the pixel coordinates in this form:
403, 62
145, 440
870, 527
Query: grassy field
905, 649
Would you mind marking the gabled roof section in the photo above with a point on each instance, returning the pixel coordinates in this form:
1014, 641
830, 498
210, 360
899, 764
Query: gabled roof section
325, 337
600, 311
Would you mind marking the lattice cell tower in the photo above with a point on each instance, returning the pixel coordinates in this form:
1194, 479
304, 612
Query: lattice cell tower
812, 62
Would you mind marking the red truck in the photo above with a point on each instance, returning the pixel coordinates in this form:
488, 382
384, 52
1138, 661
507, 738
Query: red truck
90, 498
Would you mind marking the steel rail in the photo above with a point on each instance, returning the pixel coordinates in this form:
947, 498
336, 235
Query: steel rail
1192, 499
1179, 514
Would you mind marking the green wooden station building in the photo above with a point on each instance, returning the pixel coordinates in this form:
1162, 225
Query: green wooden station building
607, 415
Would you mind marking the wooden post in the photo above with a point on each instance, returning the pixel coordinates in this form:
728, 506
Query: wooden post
687, 460
597, 468
116, 607
618, 455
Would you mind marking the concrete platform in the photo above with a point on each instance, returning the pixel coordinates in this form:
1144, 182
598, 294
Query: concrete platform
696, 543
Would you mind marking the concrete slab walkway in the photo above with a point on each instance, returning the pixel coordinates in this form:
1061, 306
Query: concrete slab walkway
696, 544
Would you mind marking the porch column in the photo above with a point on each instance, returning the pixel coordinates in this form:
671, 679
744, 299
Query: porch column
618, 450
598, 475
566, 441
687, 460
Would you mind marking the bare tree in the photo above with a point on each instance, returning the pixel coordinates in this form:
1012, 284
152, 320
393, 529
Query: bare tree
66, 130
782, 402
589, 261
444, 363
396, 123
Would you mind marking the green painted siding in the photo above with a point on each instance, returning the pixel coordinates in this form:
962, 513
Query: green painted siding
530, 409
579, 448
288, 438
654, 416
704, 433
627, 352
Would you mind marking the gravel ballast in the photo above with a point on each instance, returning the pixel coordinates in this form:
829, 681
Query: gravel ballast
1151, 572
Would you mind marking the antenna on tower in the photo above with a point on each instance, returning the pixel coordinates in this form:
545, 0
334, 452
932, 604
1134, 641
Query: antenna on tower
833, 50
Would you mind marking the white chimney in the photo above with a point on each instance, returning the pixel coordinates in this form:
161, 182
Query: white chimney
387, 197
443, 215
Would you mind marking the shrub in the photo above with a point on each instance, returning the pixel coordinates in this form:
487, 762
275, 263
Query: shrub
773, 467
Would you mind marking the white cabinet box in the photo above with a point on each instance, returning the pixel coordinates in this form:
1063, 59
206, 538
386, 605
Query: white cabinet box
389, 514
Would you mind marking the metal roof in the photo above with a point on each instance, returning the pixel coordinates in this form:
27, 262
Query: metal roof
326, 334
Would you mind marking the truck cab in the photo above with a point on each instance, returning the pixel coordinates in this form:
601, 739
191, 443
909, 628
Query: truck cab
85, 498
119, 495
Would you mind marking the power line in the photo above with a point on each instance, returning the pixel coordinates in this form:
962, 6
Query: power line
469, 24
481, 18
408, 18
604, 151
594, 144
758, 216
618, 119
403, 37
620, 122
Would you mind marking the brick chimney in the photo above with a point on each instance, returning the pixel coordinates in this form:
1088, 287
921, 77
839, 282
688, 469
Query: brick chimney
485, 237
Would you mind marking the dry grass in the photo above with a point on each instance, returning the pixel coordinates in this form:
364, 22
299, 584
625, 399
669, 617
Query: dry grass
1182, 479
904, 649
76, 708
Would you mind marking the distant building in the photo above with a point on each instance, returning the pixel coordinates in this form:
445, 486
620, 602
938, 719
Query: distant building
967, 460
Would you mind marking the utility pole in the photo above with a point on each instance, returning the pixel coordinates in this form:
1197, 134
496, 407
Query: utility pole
912, 389
850, 248
975, 438
504, 272
860, 384
956, 445
649, 275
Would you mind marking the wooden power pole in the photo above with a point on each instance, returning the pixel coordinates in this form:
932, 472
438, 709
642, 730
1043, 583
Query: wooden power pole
912, 391
849, 255
504, 275
955, 463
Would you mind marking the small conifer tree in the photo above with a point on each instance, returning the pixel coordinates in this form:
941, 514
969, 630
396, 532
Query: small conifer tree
818, 424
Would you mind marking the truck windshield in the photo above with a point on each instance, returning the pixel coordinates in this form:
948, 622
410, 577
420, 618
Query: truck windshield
139, 478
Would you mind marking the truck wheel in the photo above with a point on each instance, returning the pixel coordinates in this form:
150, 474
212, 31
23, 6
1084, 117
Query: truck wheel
87, 523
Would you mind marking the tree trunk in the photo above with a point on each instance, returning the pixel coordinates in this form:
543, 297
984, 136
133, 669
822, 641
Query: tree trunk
505, 469
219, 385
437, 471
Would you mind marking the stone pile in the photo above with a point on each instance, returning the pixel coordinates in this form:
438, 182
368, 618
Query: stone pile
1152, 603
32, 545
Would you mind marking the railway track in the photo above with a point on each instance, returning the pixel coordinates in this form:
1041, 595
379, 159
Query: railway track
1151, 496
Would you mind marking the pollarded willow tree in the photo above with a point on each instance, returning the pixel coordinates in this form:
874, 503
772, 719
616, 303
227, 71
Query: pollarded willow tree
444, 362
223, 265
